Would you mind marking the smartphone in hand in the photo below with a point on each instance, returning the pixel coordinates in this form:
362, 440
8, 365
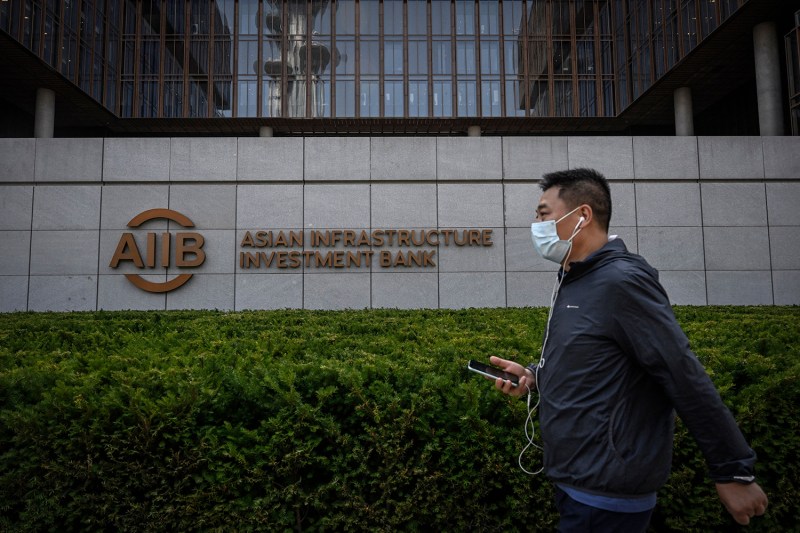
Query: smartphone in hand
492, 372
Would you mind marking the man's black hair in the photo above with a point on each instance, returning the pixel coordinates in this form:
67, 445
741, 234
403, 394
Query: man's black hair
582, 186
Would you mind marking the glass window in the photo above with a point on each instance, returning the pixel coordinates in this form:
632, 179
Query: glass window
393, 57
418, 97
467, 98
417, 57
465, 57
345, 17
442, 98
345, 97
248, 57
369, 17
563, 98
271, 94
490, 56
370, 98
465, 17
442, 59
588, 98
149, 58
440, 17
247, 98
393, 98
248, 18
515, 106
491, 104
321, 98
393, 17
488, 10
370, 57
417, 17
148, 97
561, 22
199, 17
321, 11
198, 98
708, 16
347, 56
512, 17
173, 98
586, 57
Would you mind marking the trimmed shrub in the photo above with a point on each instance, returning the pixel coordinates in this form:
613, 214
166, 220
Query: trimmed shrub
329, 421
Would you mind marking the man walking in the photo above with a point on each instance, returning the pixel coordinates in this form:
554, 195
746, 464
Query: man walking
614, 368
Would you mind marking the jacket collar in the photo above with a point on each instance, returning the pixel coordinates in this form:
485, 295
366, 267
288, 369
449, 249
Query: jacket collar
614, 248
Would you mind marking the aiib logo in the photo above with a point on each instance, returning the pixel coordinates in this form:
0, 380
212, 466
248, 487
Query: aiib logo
188, 250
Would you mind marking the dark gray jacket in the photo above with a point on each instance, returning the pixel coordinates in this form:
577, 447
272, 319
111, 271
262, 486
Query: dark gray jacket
616, 365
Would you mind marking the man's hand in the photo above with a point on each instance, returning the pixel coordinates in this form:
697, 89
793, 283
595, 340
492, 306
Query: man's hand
742, 501
526, 378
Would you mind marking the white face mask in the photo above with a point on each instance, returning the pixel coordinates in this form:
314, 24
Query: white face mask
546, 241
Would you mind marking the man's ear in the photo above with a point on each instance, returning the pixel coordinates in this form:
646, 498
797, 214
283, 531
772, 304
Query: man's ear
586, 215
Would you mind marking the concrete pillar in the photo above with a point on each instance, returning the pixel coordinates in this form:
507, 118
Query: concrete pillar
45, 113
474, 131
684, 117
266, 131
768, 79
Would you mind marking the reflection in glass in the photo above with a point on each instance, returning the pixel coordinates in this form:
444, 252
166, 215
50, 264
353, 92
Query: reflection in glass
418, 97
442, 98
442, 60
370, 98
467, 98
393, 98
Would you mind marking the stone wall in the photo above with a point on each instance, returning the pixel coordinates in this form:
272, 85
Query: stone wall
717, 216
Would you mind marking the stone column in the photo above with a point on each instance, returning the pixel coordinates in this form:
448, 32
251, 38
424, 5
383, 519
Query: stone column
474, 131
265, 131
684, 117
768, 79
45, 113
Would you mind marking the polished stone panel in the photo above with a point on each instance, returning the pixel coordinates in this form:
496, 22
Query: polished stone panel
734, 204
116, 293
673, 158
405, 290
473, 205
527, 158
204, 291
62, 293
203, 159
783, 200
458, 290
269, 206
15, 247
270, 159
611, 156
336, 158
786, 286
530, 289
208, 206
672, 248
469, 158
16, 207
403, 158
17, 158
730, 158
66, 207
784, 246
13, 293
684, 287
65, 159
64, 253
121, 203
336, 291
269, 291
136, 159
403, 205
343, 206
668, 204
737, 248
739, 288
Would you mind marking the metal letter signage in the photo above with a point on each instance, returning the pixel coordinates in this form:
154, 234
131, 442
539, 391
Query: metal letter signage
188, 250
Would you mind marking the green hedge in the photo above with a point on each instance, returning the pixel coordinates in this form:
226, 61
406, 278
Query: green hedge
329, 421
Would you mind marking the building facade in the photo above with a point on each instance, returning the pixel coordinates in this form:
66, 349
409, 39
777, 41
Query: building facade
264, 154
